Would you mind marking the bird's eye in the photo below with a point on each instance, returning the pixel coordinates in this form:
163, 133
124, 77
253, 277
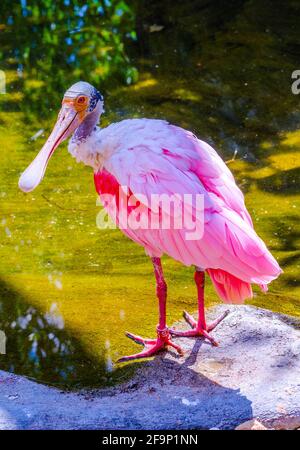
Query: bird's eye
81, 99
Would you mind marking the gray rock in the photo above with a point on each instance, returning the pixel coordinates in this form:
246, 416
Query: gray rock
255, 373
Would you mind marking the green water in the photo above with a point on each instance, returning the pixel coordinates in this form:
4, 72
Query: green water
68, 290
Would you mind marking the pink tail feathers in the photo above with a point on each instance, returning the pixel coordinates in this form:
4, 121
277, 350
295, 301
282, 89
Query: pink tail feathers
230, 288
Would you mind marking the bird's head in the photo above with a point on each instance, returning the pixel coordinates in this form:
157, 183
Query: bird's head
80, 102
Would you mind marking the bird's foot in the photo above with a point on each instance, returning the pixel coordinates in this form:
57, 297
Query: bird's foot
152, 346
197, 329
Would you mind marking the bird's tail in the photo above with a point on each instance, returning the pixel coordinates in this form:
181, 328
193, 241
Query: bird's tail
230, 288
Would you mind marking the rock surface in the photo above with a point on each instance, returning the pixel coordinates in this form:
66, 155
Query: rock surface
251, 425
255, 373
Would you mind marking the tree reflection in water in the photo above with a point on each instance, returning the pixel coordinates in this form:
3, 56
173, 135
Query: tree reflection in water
39, 346
53, 44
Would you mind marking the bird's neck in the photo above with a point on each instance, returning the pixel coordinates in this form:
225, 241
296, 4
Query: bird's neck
86, 143
87, 127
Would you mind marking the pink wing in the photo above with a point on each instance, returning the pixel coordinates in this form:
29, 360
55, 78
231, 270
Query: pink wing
157, 158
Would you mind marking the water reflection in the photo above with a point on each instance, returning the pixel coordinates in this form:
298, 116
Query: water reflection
52, 44
39, 346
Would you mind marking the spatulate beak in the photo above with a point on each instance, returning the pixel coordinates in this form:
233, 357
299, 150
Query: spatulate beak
68, 120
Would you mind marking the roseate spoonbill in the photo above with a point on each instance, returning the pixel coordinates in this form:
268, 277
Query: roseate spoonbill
154, 157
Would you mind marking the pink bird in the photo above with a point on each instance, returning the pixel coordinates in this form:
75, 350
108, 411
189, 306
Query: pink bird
138, 159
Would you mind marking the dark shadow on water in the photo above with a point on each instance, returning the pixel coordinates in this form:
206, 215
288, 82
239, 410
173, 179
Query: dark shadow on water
39, 346
287, 230
284, 182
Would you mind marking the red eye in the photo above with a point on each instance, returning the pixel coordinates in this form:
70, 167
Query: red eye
81, 99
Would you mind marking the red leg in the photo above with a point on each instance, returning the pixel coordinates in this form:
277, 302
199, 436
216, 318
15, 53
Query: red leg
163, 339
199, 328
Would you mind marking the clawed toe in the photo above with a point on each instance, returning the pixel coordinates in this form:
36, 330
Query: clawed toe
195, 332
152, 346
189, 319
139, 339
198, 330
144, 354
163, 340
216, 322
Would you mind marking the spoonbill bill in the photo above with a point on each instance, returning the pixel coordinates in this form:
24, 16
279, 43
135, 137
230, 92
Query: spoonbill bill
136, 159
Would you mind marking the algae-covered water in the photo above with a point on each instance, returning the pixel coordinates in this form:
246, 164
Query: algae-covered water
69, 291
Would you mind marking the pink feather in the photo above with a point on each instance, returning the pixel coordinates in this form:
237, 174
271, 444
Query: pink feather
154, 157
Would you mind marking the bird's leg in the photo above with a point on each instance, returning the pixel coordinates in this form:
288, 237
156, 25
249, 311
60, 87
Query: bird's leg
163, 340
199, 328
